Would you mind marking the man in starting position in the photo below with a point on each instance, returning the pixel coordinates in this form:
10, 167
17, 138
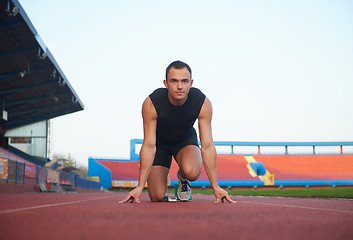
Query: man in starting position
168, 117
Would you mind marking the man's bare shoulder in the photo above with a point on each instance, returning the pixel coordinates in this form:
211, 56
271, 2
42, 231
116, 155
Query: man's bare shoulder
148, 108
147, 101
206, 110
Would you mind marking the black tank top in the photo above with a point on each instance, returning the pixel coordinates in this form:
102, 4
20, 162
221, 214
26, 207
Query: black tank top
175, 123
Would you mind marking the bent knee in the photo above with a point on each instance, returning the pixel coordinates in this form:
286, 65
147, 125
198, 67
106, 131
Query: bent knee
156, 198
192, 173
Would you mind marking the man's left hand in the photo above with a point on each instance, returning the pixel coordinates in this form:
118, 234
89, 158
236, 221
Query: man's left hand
221, 194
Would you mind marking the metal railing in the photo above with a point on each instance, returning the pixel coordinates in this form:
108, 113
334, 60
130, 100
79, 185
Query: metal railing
135, 156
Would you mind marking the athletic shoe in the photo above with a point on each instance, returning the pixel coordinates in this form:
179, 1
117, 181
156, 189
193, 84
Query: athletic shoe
184, 190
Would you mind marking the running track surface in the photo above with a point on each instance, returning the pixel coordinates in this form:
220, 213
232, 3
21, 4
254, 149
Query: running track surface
100, 216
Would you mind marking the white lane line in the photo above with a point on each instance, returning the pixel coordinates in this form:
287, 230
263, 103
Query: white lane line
303, 207
48, 205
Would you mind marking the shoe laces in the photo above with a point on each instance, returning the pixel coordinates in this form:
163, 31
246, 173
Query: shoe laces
185, 186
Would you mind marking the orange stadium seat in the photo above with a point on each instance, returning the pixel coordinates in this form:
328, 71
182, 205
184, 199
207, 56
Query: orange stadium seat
122, 170
292, 167
229, 167
233, 169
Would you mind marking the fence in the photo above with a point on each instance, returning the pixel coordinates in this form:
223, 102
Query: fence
18, 173
233, 148
12, 172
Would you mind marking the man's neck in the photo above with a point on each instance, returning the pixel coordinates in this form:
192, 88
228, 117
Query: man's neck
177, 103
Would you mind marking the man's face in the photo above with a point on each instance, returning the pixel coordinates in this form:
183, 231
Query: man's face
178, 84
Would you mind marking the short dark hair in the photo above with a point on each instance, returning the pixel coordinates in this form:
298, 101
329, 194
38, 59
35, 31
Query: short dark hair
177, 65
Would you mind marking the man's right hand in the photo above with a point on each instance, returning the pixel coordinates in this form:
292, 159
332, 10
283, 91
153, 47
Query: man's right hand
134, 195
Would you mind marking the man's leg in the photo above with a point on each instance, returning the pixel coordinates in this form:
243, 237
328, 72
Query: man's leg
157, 183
189, 160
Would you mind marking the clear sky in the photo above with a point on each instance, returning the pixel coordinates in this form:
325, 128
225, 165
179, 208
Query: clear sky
273, 70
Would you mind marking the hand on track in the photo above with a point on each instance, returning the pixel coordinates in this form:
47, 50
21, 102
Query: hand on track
134, 195
221, 194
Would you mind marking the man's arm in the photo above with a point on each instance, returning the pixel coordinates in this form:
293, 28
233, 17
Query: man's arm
148, 149
208, 151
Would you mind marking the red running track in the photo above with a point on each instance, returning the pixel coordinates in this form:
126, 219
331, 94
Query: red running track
100, 216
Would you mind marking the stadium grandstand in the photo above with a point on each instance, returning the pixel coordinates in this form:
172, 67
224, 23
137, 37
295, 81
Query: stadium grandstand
248, 164
33, 90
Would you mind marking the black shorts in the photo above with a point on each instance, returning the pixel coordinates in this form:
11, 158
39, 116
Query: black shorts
165, 151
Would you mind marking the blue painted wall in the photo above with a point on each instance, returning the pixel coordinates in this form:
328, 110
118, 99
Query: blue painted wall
82, 182
96, 169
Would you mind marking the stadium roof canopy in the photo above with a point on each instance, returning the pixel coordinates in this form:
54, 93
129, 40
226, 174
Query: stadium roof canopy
32, 85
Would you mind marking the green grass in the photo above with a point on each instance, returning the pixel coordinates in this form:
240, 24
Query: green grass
305, 193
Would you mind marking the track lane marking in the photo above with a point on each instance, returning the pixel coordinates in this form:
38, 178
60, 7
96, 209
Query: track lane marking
303, 207
49, 205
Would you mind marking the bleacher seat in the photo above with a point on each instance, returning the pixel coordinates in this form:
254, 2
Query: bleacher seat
30, 167
122, 170
234, 168
294, 167
229, 167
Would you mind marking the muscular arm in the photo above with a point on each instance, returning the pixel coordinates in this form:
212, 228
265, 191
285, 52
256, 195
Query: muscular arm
208, 151
148, 149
